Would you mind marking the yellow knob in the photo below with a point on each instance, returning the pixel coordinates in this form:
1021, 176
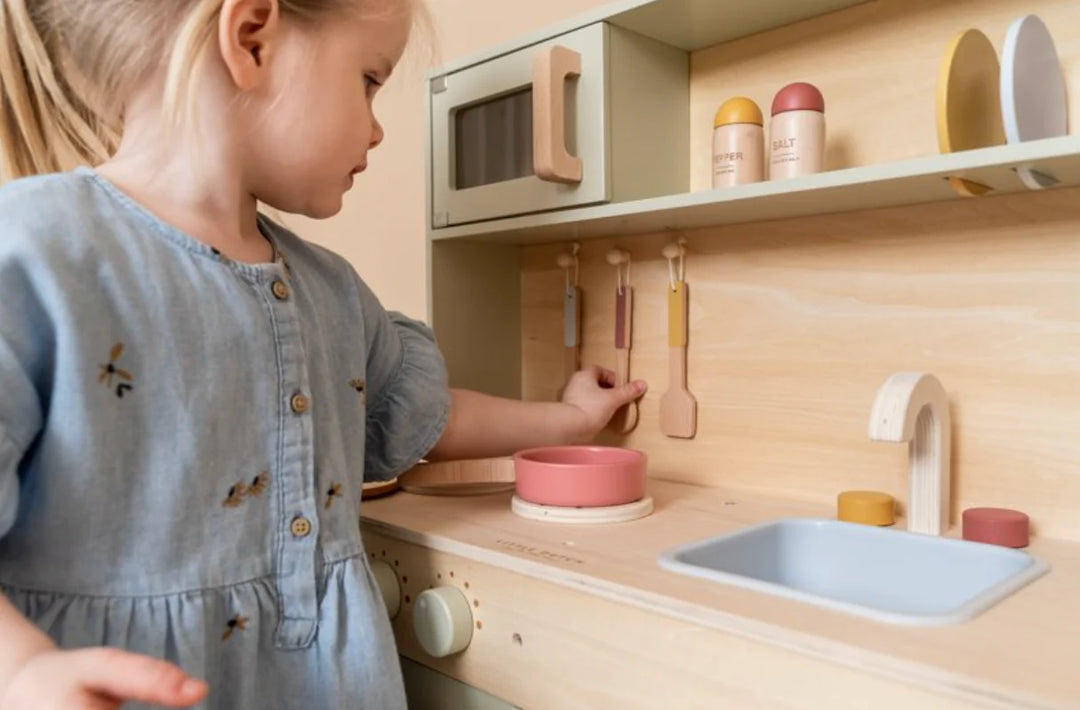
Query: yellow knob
866, 507
738, 110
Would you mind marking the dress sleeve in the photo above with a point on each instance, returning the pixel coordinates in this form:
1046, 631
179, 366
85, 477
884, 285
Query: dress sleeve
24, 344
408, 395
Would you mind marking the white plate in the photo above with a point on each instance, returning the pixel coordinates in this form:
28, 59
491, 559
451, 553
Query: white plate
1033, 100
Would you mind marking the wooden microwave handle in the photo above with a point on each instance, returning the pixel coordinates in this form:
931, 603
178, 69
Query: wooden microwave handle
551, 161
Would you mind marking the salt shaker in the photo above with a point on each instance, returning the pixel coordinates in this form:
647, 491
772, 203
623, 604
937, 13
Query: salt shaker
796, 132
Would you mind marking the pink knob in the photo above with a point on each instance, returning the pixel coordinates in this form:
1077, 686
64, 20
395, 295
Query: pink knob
997, 526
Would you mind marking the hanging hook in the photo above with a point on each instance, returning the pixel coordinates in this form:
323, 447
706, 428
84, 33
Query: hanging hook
618, 257
567, 261
672, 251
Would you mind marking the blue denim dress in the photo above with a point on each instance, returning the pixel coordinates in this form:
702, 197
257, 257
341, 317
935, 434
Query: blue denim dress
183, 443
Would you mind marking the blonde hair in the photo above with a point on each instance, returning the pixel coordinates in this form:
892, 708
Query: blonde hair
66, 67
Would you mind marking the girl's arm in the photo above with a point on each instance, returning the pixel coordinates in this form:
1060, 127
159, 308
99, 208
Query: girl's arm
21, 641
35, 675
482, 426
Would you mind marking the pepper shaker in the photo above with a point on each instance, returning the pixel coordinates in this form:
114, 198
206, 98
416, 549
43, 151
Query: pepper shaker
738, 143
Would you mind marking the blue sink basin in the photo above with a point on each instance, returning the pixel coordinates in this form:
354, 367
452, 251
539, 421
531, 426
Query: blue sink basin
891, 576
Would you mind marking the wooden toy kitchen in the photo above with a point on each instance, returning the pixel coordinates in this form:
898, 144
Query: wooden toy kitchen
839, 240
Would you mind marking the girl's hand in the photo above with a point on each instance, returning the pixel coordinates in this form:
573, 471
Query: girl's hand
593, 393
98, 679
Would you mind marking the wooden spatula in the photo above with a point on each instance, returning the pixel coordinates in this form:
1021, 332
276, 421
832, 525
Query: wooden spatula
572, 331
626, 418
678, 408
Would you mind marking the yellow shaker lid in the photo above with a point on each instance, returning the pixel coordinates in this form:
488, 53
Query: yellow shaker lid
866, 507
738, 110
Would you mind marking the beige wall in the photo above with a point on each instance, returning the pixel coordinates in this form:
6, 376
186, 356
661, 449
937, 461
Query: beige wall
381, 228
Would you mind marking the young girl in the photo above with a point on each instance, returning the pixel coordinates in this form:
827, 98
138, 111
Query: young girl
191, 395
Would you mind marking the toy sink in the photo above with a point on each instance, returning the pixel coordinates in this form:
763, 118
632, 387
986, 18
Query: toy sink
891, 576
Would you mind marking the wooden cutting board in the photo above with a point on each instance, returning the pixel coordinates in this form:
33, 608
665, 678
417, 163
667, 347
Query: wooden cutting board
459, 478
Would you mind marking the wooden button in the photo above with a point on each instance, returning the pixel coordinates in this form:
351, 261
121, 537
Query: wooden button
299, 403
281, 291
301, 527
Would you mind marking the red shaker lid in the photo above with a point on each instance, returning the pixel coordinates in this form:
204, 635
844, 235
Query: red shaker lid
997, 526
799, 96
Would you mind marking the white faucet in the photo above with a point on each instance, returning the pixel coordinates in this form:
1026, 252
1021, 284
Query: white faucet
913, 407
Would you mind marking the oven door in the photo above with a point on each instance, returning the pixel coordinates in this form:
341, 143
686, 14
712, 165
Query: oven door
427, 689
523, 132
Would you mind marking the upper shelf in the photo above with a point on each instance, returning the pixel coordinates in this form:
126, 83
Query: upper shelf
685, 24
696, 24
902, 183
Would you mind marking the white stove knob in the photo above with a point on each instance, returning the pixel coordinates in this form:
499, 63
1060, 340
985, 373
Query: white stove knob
388, 585
443, 621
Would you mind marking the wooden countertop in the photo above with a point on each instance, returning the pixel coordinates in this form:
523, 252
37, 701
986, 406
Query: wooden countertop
1025, 651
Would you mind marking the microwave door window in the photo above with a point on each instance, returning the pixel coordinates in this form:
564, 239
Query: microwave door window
493, 141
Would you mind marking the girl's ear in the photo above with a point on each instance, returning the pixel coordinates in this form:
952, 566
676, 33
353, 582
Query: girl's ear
247, 34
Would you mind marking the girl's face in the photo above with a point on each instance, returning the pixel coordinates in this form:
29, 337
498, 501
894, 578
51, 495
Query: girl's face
312, 128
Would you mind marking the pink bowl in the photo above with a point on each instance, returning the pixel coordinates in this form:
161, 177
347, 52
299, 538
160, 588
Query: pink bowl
580, 475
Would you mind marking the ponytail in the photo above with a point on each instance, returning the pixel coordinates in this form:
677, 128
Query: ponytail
67, 67
192, 38
45, 125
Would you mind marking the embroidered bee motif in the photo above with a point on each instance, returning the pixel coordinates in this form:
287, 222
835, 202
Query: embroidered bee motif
110, 370
236, 495
240, 490
237, 623
333, 492
259, 484
361, 387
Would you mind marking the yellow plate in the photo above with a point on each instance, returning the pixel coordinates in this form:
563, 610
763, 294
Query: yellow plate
968, 95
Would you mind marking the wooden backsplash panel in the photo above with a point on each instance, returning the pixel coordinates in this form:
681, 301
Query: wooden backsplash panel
795, 324
877, 65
